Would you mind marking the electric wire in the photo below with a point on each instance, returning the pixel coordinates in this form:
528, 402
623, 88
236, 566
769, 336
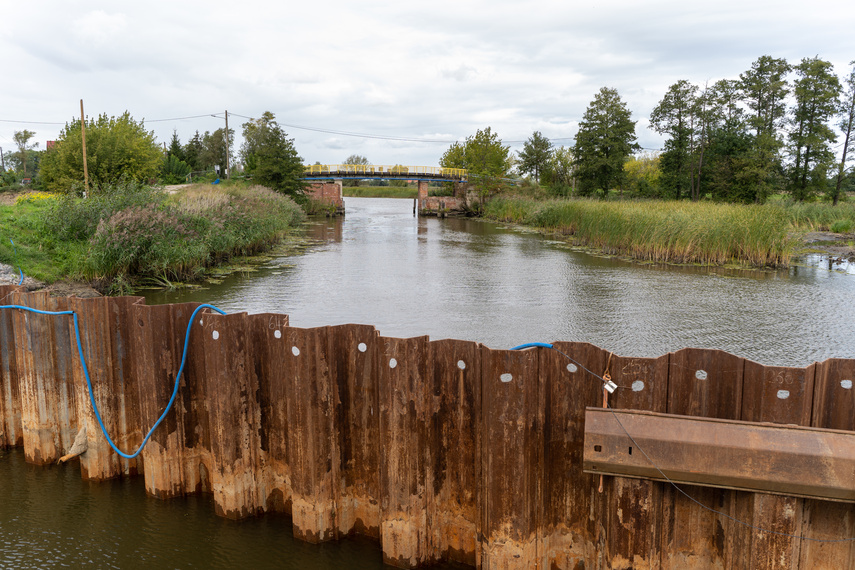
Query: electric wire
89, 381
665, 477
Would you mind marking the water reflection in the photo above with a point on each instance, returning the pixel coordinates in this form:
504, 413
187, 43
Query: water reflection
475, 280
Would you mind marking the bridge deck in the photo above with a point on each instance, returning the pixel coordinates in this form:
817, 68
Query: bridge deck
397, 171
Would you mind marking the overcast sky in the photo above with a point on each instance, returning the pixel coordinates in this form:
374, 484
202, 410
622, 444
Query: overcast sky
431, 71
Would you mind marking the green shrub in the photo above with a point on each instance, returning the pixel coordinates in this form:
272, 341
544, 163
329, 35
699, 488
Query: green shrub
842, 226
72, 218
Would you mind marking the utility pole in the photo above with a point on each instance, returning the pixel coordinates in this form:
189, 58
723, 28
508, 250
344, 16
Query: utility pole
2, 159
83, 138
227, 144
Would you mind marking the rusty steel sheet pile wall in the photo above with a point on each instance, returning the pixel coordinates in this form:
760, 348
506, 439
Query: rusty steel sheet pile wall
441, 450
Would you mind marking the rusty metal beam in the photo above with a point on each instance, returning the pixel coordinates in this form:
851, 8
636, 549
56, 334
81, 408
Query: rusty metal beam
770, 458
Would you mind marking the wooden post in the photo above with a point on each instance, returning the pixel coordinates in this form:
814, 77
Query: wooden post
83, 138
227, 144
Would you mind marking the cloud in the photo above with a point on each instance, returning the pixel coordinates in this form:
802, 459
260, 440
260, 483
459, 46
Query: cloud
392, 69
98, 27
461, 73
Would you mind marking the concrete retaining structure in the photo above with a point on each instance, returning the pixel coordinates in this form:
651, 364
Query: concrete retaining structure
441, 450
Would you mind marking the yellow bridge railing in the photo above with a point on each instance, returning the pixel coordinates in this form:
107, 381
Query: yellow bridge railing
396, 170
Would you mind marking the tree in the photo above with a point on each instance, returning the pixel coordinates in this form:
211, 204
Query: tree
193, 152
846, 110
764, 90
675, 117
816, 94
175, 149
605, 139
535, 155
357, 160
117, 148
270, 157
22, 141
642, 174
484, 156
214, 149
559, 173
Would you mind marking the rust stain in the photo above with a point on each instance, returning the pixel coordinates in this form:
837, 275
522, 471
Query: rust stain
441, 450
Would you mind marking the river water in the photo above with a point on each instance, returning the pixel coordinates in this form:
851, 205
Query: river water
454, 278
475, 280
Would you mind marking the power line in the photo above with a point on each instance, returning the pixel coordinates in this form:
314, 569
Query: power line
29, 122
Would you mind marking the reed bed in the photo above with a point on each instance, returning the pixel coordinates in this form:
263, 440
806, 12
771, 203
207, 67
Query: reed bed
668, 232
818, 216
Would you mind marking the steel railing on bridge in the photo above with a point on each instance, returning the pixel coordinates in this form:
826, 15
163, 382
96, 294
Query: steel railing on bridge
384, 170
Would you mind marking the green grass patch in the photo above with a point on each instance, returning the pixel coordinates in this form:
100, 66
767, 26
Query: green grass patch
380, 192
670, 232
130, 234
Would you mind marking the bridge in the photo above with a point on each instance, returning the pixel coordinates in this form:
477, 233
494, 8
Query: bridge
326, 184
384, 172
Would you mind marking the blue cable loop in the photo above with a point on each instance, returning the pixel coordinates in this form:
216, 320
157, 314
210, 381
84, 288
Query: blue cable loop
89, 381
533, 344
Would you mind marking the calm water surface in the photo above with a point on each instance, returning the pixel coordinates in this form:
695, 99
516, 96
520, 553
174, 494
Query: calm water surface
475, 280
450, 279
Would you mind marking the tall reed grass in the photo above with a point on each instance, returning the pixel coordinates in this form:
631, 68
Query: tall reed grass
816, 216
134, 233
671, 232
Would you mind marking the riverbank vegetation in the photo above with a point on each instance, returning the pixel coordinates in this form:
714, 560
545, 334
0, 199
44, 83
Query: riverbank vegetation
131, 234
659, 231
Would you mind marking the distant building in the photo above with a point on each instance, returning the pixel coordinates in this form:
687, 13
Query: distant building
50, 144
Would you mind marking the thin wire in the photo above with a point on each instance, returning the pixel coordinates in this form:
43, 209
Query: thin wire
673, 484
182, 118
29, 122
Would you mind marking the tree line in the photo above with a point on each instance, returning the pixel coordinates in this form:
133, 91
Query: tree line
120, 149
773, 130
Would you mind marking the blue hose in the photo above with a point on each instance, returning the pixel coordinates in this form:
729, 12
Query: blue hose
533, 344
89, 381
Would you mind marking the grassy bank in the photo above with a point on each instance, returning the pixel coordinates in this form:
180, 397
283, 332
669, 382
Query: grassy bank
671, 232
380, 192
136, 234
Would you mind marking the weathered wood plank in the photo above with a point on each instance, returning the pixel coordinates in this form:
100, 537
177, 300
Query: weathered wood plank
354, 358
833, 407
455, 473
405, 453
156, 346
235, 416
776, 395
572, 533
268, 333
313, 453
631, 509
11, 430
43, 345
512, 459
706, 383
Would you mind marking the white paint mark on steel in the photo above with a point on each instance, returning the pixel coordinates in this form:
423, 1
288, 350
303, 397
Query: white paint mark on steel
637, 386
701, 374
506, 377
